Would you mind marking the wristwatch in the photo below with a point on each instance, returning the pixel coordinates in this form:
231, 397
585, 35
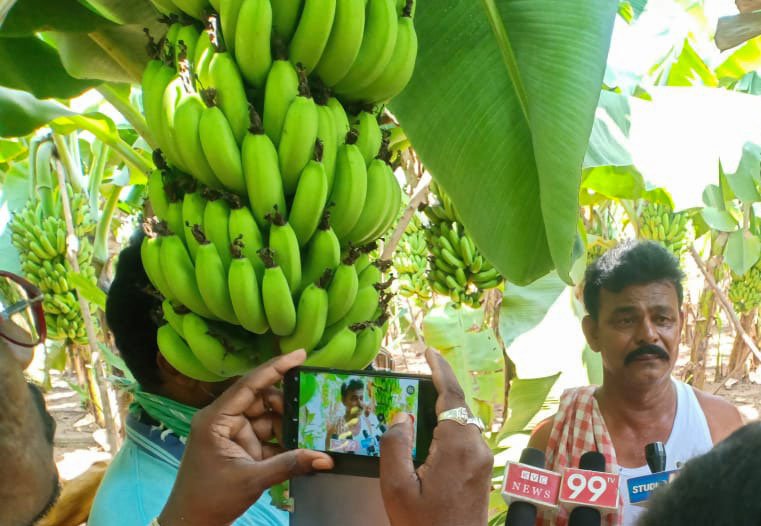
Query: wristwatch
462, 416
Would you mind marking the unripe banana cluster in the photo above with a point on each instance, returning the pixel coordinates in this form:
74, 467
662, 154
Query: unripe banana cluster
411, 262
745, 291
456, 268
269, 194
41, 244
659, 223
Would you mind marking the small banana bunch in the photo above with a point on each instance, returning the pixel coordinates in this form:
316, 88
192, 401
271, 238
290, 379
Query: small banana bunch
41, 243
456, 267
411, 262
659, 223
745, 291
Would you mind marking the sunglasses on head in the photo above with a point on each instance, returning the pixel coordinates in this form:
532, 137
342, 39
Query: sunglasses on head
22, 320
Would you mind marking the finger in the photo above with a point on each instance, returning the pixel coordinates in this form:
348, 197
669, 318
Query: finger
270, 450
280, 468
397, 473
445, 381
247, 439
264, 427
262, 404
243, 393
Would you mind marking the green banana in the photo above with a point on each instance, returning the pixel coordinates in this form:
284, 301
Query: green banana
381, 27
231, 93
369, 136
392, 210
276, 296
323, 252
296, 146
174, 219
216, 223
398, 71
218, 351
363, 309
285, 16
311, 316
180, 273
326, 134
185, 47
370, 275
172, 95
157, 195
281, 88
245, 293
312, 33
340, 118
153, 96
211, 276
336, 352
253, 41
244, 231
349, 187
380, 192
219, 145
193, 205
187, 118
262, 172
229, 11
203, 53
150, 250
368, 344
194, 8
309, 200
345, 40
343, 288
173, 317
285, 246
176, 351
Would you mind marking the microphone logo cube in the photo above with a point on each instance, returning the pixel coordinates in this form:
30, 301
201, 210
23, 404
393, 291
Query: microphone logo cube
594, 489
531, 484
641, 488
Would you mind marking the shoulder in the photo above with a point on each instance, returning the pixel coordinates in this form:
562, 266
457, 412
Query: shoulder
541, 434
723, 417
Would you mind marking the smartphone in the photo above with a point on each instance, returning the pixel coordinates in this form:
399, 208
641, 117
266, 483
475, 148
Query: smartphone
345, 414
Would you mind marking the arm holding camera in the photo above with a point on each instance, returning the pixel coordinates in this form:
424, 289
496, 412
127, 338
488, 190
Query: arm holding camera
452, 487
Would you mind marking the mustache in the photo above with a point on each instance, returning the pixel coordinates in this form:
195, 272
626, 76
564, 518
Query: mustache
655, 350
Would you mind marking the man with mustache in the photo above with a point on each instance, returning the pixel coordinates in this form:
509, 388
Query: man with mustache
633, 298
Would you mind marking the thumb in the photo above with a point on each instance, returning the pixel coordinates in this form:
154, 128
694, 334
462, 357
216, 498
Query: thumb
290, 464
397, 473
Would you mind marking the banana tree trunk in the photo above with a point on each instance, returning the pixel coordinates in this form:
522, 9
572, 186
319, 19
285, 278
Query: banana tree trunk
737, 366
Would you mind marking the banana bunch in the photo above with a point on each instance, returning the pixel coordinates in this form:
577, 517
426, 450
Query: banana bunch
745, 291
364, 50
411, 262
456, 268
659, 223
41, 244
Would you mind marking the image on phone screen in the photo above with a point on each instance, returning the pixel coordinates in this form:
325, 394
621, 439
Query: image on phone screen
348, 413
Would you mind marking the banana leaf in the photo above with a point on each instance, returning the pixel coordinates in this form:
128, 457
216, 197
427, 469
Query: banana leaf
23, 113
502, 122
31, 16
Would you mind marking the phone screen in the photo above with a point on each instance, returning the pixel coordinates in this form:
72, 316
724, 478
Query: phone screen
346, 413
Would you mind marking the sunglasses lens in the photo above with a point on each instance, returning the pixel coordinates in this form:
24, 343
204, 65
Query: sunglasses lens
17, 317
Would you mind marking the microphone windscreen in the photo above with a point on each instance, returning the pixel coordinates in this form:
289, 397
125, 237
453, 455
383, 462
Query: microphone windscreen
655, 453
592, 461
533, 457
584, 516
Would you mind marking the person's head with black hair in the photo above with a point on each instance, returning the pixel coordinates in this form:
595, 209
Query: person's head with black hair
133, 313
630, 263
352, 393
633, 296
720, 487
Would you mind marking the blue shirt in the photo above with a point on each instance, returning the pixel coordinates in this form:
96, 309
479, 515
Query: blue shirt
140, 478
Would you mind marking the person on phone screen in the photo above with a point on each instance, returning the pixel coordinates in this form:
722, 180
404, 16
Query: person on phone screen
353, 428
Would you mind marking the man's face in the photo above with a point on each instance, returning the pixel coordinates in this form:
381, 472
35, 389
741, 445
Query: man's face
353, 399
637, 332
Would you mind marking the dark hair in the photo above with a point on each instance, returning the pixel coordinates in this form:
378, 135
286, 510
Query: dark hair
630, 263
131, 309
720, 487
351, 385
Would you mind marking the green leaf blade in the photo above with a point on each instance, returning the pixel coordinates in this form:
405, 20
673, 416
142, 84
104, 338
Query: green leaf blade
23, 113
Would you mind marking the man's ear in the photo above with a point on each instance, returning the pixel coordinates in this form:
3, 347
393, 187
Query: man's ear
589, 326
170, 374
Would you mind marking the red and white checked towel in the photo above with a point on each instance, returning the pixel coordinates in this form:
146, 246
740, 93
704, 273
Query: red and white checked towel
578, 427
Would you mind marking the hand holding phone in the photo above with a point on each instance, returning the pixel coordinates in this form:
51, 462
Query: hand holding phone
452, 487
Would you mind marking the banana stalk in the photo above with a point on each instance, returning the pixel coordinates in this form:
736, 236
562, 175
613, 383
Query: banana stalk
128, 111
44, 185
71, 163
100, 251
97, 169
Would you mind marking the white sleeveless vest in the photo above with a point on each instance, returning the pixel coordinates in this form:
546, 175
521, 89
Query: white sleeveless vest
689, 438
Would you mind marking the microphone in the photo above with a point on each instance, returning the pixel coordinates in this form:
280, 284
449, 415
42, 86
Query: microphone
655, 453
587, 515
528, 485
641, 488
